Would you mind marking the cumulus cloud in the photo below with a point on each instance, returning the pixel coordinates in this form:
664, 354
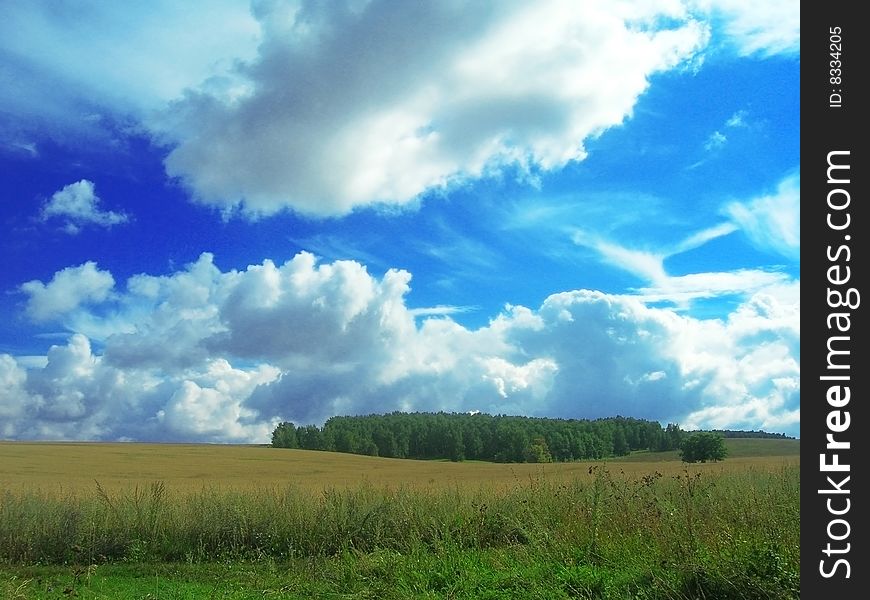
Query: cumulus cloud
347, 106
77, 204
68, 398
79, 395
210, 406
322, 108
758, 387
773, 222
222, 356
67, 290
13, 400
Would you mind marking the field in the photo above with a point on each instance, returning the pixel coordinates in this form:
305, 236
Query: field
195, 521
76, 467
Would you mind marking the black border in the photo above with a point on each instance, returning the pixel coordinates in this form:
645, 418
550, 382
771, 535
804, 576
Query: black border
824, 129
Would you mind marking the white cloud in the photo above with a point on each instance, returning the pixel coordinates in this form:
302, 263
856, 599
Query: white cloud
77, 204
65, 63
509, 378
65, 381
716, 140
758, 386
440, 310
681, 290
13, 400
321, 109
766, 28
324, 108
20, 147
66, 291
646, 264
738, 119
773, 222
379, 104
211, 408
700, 238
78, 395
71, 397
303, 341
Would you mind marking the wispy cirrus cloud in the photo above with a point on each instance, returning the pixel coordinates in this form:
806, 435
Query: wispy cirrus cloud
681, 290
716, 140
753, 28
772, 221
719, 138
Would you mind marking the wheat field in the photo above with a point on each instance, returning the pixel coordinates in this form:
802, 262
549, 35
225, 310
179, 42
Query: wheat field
76, 467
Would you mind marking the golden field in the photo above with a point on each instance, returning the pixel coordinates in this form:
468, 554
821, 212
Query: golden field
76, 467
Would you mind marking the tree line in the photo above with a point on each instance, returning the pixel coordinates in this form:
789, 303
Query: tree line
480, 436
761, 434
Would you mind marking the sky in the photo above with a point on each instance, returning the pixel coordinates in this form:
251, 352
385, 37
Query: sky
219, 215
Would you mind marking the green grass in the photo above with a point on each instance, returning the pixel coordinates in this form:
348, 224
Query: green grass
738, 448
694, 534
515, 572
742, 447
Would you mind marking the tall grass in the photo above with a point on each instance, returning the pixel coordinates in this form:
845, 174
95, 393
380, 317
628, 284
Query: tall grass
712, 534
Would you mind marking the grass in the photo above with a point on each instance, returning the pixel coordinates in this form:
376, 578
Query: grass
624, 529
384, 575
741, 452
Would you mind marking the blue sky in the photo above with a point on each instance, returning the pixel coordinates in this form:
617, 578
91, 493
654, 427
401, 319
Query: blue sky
222, 215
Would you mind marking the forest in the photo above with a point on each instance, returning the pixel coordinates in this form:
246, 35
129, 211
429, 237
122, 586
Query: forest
480, 436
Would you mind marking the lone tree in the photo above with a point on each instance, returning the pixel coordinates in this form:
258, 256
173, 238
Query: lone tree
703, 446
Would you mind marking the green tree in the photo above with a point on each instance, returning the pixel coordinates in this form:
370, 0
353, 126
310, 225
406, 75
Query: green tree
347, 440
310, 438
620, 444
455, 448
385, 440
500, 438
703, 446
284, 436
538, 451
673, 437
